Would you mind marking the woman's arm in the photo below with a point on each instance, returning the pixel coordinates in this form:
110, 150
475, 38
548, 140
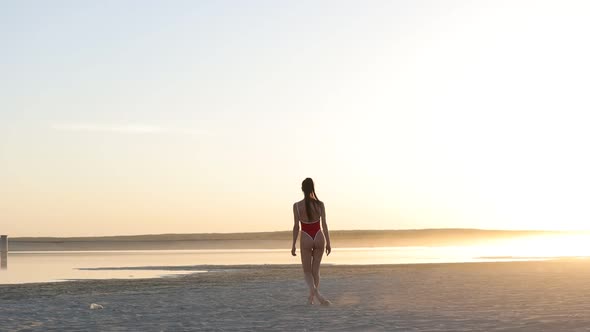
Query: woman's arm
325, 228
295, 230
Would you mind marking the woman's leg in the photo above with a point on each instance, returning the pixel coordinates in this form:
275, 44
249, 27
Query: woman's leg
306, 243
317, 254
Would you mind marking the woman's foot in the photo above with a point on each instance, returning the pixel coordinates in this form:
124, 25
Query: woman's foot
323, 300
310, 300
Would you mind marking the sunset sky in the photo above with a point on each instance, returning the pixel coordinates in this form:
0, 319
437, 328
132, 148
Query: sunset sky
136, 117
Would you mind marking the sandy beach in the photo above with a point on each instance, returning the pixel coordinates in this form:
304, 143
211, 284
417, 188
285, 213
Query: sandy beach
516, 296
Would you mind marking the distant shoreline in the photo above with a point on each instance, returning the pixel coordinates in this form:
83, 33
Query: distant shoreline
272, 240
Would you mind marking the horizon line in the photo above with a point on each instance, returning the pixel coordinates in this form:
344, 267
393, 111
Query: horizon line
331, 231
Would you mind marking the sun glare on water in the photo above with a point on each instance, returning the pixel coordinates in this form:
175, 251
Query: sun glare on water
545, 246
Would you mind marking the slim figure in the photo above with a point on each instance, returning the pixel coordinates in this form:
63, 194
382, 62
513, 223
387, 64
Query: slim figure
309, 212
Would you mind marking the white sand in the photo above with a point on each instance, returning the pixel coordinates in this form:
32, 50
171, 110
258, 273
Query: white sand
524, 296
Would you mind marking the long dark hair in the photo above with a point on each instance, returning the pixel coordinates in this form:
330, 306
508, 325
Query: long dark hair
309, 189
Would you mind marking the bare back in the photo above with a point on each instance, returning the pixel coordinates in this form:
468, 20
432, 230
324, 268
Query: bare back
315, 211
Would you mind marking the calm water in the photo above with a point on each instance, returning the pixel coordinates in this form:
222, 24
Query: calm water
27, 267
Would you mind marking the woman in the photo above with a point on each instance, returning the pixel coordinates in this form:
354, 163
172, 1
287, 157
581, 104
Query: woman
309, 211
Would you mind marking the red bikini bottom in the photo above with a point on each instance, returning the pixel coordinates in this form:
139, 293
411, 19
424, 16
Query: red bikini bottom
311, 229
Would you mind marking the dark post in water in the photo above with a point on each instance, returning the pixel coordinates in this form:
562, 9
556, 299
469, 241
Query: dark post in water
3, 251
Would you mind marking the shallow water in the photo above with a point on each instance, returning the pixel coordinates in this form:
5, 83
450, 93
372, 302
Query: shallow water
28, 267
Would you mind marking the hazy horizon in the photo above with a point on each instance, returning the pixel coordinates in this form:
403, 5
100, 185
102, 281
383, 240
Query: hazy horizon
497, 243
128, 117
289, 231
451, 231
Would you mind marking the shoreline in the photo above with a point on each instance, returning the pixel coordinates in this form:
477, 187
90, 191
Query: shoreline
217, 268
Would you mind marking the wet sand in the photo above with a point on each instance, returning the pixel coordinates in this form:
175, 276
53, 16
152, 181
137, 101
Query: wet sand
516, 296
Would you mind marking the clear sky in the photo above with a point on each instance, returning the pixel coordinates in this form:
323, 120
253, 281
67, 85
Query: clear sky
134, 117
